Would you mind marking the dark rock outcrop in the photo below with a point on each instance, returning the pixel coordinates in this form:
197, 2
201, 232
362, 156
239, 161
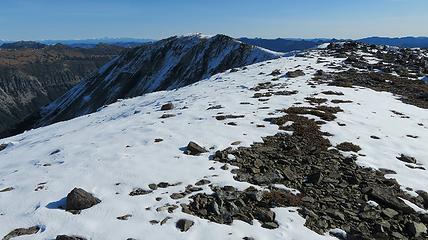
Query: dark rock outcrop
31, 78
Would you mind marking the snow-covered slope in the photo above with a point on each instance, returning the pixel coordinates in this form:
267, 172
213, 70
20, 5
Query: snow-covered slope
113, 151
167, 64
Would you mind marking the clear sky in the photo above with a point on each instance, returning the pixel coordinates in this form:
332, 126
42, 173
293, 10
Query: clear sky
155, 19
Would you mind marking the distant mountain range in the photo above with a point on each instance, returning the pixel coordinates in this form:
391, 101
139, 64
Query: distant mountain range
296, 44
406, 42
88, 43
278, 44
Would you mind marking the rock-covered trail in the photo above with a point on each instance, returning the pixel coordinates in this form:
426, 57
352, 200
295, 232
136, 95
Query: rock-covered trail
187, 170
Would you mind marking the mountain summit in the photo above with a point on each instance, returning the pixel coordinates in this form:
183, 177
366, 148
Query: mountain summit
167, 64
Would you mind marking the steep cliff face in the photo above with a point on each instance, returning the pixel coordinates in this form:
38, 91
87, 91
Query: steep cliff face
31, 78
167, 64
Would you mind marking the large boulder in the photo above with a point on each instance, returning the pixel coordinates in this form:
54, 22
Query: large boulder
79, 199
194, 149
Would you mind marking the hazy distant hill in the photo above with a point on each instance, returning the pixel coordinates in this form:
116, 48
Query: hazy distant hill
408, 42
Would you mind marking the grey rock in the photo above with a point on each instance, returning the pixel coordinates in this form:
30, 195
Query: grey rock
184, 225
65, 237
296, 73
390, 213
139, 191
270, 225
3, 146
166, 107
79, 199
21, 232
194, 149
415, 229
407, 159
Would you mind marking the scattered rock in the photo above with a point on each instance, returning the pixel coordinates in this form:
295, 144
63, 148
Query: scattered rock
124, 217
407, 159
79, 199
21, 232
65, 237
177, 195
415, 229
3, 147
166, 107
329, 92
184, 225
276, 72
167, 115
8, 189
223, 117
202, 182
294, 74
139, 191
348, 147
194, 149
158, 140
215, 107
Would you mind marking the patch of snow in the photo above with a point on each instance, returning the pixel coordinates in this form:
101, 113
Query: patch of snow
414, 206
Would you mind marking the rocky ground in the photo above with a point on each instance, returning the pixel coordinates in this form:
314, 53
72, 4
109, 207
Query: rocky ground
331, 190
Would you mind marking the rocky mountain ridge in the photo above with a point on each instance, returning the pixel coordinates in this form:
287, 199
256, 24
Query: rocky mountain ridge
164, 65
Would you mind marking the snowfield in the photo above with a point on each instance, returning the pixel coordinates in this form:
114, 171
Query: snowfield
113, 151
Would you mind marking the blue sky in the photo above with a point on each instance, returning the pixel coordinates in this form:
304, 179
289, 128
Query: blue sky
155, 19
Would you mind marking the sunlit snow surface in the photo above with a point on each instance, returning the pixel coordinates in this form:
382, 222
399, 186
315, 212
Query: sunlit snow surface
94, 155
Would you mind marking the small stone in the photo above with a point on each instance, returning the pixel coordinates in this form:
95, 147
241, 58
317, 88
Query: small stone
153, 222
293, 74
415, 229
202, 182
158, 140
55, 152
166, 107
65, 237
194, 149
164, 220
3, 147
79, 199
387, 171
265, 215
153, 186
270, 225
8, 189
167, 115
407, 159
21, 231
139, 191
184, 225
177, 195
163, 185
314, 178
124, 217
390, 213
